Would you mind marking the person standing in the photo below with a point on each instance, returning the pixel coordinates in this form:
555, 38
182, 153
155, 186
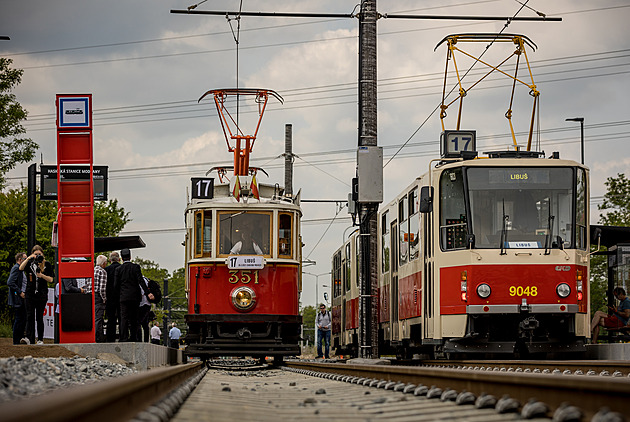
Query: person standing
156, 333
17, 286
143, 316
323, 322
100, 297
38, 273
174, 336
132, 287
112, 306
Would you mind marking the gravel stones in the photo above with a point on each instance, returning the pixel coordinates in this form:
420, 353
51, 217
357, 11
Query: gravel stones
24, 377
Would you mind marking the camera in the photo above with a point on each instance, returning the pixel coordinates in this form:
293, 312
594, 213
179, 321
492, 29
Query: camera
39, 259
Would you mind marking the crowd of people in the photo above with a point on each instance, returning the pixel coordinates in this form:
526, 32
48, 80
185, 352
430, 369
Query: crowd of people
121, 298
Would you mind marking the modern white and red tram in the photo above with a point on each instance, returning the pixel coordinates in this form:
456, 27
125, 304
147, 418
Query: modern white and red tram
477, 256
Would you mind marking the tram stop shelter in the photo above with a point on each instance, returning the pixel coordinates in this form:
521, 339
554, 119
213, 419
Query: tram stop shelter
617, 241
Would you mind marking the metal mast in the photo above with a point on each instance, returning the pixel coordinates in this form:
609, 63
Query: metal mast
368, 269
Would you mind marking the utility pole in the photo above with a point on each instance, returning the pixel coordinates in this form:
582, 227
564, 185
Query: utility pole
31, 226
288, 160
367, 202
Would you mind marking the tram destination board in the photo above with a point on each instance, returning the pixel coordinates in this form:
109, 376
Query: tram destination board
48, 188
202, 187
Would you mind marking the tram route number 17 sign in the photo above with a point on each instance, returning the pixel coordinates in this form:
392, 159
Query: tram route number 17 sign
245, 262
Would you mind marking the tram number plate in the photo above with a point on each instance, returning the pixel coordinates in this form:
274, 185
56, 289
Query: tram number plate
245, 262
523, 291
244, 276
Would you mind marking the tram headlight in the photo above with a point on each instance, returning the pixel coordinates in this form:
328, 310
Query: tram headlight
483, 290
243, 298
563, 290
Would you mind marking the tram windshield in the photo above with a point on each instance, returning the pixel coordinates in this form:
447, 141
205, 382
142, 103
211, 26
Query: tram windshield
244, 233
524, 207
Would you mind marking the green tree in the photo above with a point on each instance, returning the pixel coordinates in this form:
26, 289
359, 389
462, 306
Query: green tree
615, 209
308, 323
176, 289
14, 148
616, 202
13, 227
109, 218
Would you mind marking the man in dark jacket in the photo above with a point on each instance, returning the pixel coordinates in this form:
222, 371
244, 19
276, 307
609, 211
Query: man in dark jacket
112, 305
17, 286
132, 286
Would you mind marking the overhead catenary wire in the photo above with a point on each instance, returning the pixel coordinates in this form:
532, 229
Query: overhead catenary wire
49, 119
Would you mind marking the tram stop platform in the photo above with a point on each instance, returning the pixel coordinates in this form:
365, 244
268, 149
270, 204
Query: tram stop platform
612, 351
141, 356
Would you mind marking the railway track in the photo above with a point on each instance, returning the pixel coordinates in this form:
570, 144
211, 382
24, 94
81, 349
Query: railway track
557, 393
579, 367
335, 391
159, 391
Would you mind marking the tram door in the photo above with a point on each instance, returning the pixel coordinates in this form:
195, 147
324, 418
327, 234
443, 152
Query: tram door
393, 256
428, 275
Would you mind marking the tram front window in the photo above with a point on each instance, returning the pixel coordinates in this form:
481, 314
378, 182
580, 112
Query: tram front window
521, 207
244, 233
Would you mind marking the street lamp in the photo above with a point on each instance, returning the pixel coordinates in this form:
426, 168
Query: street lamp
581, 120
317, 285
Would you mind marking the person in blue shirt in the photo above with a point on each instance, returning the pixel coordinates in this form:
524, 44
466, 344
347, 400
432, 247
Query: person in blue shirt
323, 322
619, 317
174, 336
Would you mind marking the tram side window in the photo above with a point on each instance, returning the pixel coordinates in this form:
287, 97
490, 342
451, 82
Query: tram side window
580, 210
347, 268
357, 249
414, 221
284, 235
198, 232
453, 229
336, 274
385, 243
203, 233
244, 233
403, 231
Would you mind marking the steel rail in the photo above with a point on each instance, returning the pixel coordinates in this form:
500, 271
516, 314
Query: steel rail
611, 366
590, 394
117, 399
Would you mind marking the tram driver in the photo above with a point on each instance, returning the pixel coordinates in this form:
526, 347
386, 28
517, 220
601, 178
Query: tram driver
247, 245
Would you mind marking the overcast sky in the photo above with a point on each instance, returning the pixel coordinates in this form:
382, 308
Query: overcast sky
146, 68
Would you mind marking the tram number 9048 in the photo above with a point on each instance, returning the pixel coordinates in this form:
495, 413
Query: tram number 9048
523, 291
244, 276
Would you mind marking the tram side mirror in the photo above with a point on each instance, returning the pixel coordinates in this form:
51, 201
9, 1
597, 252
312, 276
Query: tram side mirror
470, 240
426, 199
559, 242
326, 296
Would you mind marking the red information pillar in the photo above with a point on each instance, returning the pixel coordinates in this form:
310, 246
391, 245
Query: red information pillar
75, 218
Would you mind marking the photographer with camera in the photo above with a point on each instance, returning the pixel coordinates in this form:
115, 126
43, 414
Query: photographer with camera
39, 273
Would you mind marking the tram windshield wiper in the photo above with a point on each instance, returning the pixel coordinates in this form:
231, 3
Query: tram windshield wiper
550, 221
506, 218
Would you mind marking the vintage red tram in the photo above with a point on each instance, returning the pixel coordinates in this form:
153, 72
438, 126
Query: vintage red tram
477, 256
243, 260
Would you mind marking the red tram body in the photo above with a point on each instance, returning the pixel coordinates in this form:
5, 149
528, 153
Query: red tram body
247, 308
477, 256
243, 254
